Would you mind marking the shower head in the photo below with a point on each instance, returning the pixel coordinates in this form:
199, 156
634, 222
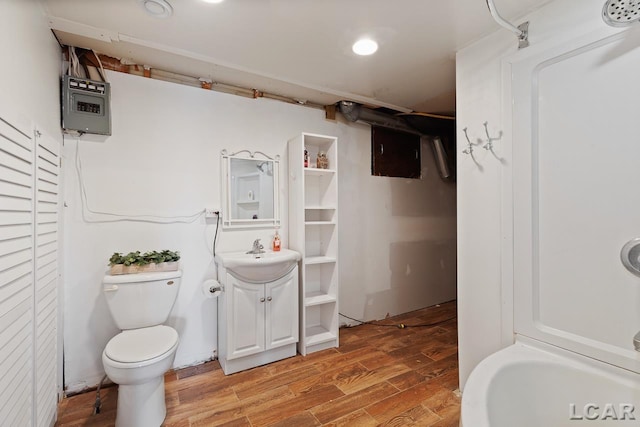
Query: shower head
262, 166
620, 13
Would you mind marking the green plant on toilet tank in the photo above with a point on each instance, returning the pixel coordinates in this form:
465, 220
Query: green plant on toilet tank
136, 262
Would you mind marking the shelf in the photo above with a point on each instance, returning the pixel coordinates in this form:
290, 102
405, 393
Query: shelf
318, 260
320, 223
316, 171
320, 216
320, 240
320, 187
317, 298
320, 208
318, 334
314, 222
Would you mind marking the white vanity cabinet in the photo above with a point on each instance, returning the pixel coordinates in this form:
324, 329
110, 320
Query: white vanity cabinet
258, 321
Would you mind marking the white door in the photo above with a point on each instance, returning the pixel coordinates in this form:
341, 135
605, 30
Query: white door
245, 318
29, 169
16, 277
47, 164
282, 311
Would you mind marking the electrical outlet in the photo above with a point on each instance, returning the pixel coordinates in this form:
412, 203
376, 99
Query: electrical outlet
211, 212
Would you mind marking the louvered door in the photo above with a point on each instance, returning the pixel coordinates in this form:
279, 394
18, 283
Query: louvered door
16, 276
29, 206
46, 277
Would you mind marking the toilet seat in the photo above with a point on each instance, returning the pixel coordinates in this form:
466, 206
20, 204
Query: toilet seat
142, 346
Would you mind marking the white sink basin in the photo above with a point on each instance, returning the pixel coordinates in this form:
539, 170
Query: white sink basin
261, 268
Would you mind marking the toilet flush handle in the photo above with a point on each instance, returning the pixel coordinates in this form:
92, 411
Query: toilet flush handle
111, 289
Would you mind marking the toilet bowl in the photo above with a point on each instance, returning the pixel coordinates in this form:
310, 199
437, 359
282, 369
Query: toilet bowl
137, 358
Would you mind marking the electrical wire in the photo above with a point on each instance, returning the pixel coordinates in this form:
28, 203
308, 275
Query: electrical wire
98, 403
74, 63
102, 73
397, 325
215, 236
148, 218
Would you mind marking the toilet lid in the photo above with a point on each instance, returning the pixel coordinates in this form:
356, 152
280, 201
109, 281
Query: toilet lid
138, 345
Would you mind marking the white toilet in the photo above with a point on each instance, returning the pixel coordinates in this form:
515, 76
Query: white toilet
137, 358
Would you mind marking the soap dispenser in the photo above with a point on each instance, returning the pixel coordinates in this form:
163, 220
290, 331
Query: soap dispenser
276, 242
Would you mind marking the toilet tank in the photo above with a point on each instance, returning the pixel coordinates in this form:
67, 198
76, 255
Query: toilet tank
141, 300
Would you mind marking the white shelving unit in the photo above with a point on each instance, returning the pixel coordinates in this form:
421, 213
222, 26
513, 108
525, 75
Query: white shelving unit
313, 231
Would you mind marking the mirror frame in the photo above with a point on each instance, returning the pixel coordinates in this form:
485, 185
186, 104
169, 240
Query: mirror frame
227, 221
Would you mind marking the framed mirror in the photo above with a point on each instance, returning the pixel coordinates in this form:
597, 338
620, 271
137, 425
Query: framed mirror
251, 186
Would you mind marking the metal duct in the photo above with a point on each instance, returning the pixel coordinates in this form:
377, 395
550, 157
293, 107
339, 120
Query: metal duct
354, 112
440, 155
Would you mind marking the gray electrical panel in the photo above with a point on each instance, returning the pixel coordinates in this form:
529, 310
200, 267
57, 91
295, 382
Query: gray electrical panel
86, 106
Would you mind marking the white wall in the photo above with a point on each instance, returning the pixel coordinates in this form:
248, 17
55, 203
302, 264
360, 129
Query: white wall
485, 236
479, 196
397, 237
30, 72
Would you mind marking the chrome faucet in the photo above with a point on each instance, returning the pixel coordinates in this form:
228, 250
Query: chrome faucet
636, 341
257, 248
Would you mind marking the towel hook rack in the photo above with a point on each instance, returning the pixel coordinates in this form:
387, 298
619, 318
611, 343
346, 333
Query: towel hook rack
469, 149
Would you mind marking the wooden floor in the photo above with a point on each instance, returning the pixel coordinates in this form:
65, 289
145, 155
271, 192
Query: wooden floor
379, 376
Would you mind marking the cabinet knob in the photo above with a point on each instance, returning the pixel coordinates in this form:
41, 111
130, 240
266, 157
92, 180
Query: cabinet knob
262, 299
269, 298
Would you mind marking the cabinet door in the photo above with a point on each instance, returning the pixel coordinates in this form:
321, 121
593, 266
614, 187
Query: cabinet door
245, 318
282, 311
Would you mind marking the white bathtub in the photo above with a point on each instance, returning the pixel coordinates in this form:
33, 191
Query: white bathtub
531, 384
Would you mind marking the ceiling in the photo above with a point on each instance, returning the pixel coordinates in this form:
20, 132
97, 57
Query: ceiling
295, 48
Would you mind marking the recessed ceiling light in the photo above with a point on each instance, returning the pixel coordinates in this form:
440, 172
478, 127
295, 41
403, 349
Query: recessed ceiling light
365, 47
213, 1
157, 8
